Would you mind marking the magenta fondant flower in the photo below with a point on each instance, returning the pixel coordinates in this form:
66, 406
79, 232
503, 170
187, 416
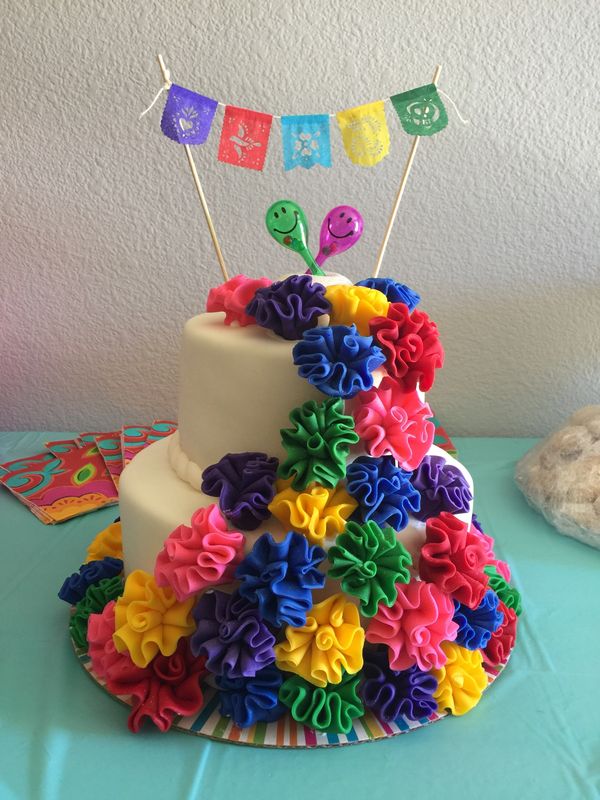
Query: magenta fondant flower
233, 296
393, 421
199, 555
415, 626
101, 648
453, 557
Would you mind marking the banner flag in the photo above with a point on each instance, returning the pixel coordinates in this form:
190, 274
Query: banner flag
306, 141
365, 133
187, 116
421, 110
244, 137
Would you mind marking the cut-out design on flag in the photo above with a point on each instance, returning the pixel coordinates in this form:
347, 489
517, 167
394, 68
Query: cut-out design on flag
306, 141
365, 133
421, 110
187, 116
244, 137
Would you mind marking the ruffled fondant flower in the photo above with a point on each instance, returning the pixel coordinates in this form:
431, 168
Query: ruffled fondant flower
199, 555
95, 598
510, 596
391, 693
328, 709
330, 642
279, 577
318, 513
107, 543
476, 625
503, 638
461, 680
289, 307
414, 628
369, 562
442, 487
488, 542
394, 291
318, 444
355, 304
383, 490
75, 586
101, 647
233, 296
231, 635
411, 344
393, 421
251, 700
244, 484
453, 558
337, 360
170, 686
149, 619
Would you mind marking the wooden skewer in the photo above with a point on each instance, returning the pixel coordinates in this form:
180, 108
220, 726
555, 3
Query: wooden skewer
198, 185
403, 182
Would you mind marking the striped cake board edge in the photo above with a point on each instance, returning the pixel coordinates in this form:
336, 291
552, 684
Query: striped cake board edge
286, 732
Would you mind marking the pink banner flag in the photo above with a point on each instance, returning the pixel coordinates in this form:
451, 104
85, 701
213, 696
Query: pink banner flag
244, 137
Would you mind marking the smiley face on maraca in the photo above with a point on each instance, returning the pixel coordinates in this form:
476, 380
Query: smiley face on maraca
340, 230
287, 224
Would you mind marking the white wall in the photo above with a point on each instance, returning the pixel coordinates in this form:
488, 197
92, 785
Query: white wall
104, 253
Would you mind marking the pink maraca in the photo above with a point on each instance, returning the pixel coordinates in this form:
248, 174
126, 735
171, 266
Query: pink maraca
340, 230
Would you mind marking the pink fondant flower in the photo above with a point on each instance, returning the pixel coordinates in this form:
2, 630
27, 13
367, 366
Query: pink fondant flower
453, 557
488, 543
233, 296
101, 648
199, 555
393, 421
415, 626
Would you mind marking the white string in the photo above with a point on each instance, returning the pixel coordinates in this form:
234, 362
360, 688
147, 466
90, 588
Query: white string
164, 88
458, 114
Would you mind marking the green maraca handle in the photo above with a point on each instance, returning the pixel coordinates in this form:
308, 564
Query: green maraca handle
310, 262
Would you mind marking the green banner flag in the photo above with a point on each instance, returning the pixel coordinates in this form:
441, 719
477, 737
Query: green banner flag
421, 110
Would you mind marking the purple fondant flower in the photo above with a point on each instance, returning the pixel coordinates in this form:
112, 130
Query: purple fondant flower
476, 625
76, 585
394, 291
289, 307
383, 490
245, 485
338, 360
390, 693
280, 578
442, 487
231, 635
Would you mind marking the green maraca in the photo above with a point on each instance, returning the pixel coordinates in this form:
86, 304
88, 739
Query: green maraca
287, 224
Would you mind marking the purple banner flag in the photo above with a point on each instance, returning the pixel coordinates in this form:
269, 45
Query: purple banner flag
187, 116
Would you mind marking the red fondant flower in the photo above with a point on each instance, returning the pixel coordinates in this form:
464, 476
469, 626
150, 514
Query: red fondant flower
502, 640
233, 296
453, 558
415, 626
168, 686
411, 344
393, 421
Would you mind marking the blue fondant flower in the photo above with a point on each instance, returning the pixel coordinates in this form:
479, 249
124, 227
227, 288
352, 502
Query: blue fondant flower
76, 585
279, 577
476, 625
250, 700
383, 490
394, 291
289, 307
337, 360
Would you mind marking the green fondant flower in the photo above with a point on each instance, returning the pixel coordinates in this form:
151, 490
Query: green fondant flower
318, 444
369, 562
96, 597
510, 596
330, 708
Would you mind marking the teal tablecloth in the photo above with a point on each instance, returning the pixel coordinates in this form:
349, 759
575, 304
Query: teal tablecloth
535, 735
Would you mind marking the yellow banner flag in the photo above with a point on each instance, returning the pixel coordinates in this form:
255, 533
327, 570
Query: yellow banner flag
365, 133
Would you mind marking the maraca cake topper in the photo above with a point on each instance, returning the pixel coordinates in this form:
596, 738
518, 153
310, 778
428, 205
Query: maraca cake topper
287, 224
340, 230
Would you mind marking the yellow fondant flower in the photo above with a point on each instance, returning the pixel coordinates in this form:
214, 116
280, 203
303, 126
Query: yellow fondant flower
461, 680
330, 643
107, 543
317, 512
149, 619
355, 304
